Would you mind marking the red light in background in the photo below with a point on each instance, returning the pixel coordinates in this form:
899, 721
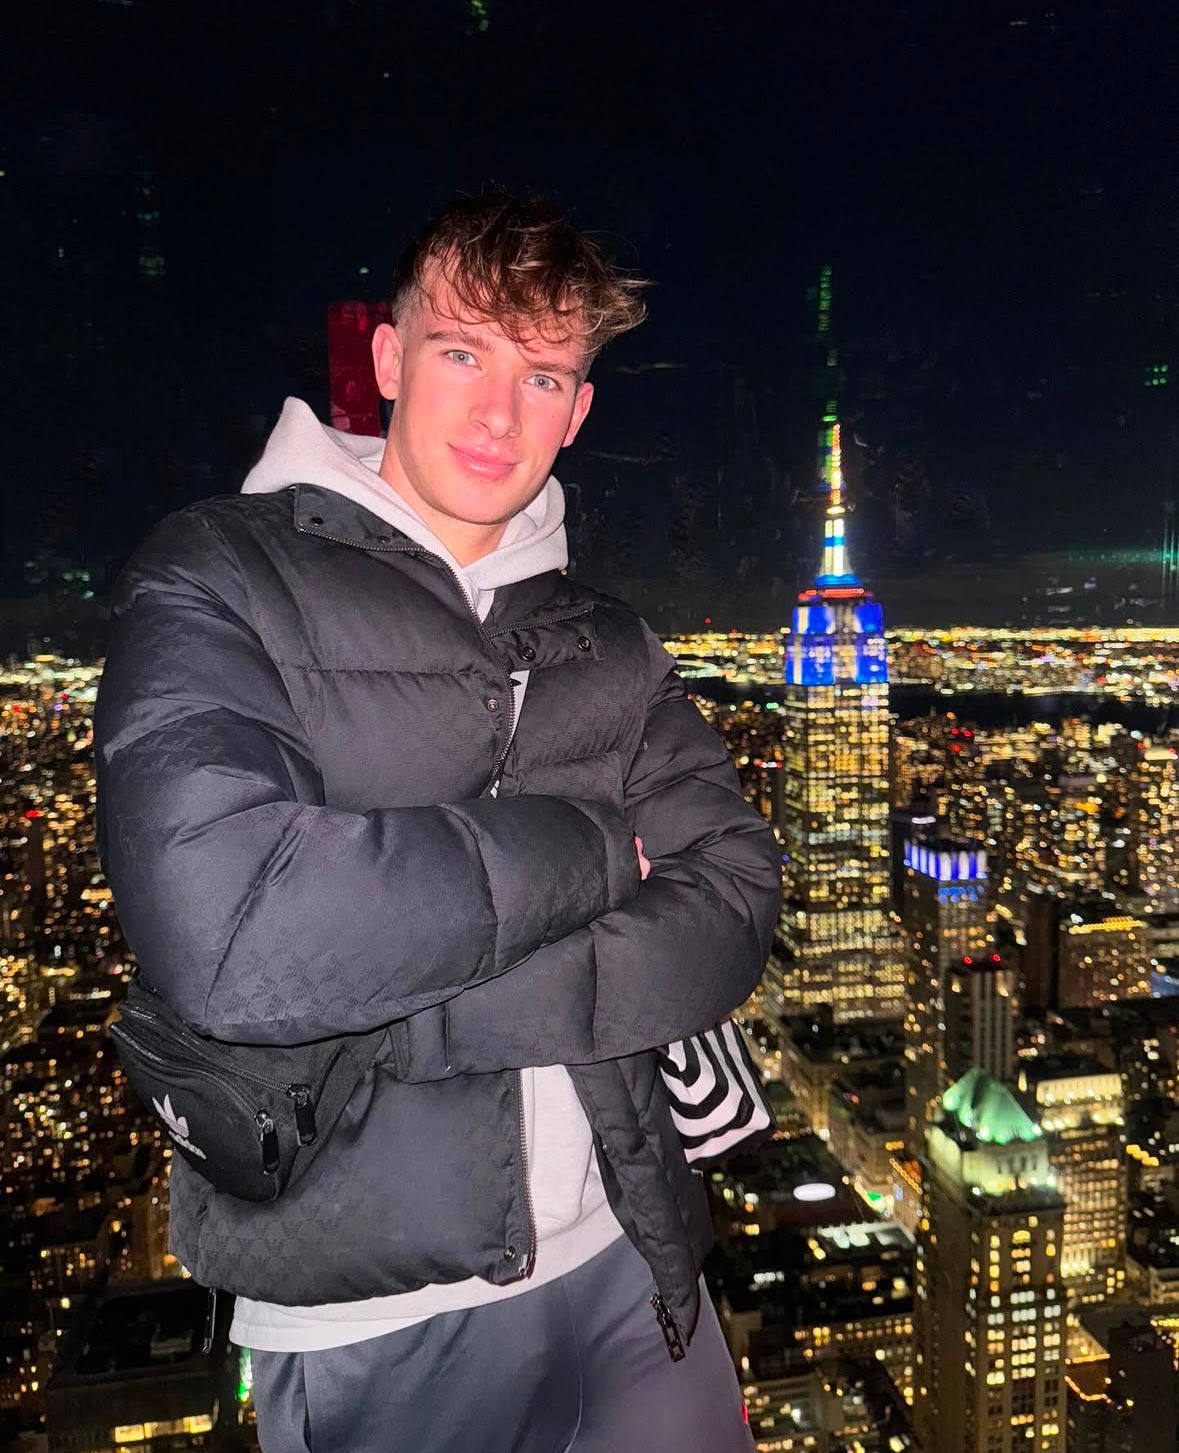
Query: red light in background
708, 620
34, 812
355, 400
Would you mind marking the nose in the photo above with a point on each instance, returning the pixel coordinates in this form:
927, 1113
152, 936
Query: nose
496, 407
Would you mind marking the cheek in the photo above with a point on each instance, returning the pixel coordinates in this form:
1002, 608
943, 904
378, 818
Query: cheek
428, 417
548, 431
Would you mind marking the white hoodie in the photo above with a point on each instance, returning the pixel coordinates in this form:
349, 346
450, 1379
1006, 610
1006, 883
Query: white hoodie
573, 1218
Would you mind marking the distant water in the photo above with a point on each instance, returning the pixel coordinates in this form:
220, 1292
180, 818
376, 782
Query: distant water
985, 708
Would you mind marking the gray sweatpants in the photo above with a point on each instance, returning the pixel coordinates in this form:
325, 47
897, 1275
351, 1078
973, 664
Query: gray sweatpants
578, 1365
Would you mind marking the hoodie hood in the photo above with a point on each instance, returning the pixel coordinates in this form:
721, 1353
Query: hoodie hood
301, 450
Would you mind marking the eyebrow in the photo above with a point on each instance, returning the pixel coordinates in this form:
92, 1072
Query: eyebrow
477, 341
466, 340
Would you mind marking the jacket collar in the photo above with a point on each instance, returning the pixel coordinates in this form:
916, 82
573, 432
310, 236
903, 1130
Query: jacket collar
521, 610
332, 516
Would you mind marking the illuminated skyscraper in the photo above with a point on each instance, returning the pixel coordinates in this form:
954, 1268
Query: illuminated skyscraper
836, 942
1079, 1104
1155, 825
958, 1000
989, 1319
1103, 958
1068, 844
1083, 951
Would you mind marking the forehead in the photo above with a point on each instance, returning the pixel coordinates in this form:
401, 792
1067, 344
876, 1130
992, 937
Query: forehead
440, 309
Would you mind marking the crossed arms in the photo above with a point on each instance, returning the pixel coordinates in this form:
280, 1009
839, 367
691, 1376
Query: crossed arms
264, 917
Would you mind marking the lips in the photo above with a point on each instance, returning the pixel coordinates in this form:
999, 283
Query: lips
484, 466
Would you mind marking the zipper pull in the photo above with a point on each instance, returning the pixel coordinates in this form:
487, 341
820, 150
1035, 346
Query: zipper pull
304, 1112
671, 1333
210, 1322
268, 1137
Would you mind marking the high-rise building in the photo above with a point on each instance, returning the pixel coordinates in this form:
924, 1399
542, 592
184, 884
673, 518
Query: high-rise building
1083, 951
1155, 825
1128, 1401
134, 1371
866, 1128
816, 1051
989, 1319
829, 1409
917, 761
1068, 842
1103, 959
944, 916
906, 825
981, 1007
836, 942
824, 1293
1080, 1109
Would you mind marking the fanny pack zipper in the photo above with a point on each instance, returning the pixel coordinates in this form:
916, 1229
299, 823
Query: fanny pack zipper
267, 1134
298, 1093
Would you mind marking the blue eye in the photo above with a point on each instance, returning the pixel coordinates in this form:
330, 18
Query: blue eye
547, 384
460, 355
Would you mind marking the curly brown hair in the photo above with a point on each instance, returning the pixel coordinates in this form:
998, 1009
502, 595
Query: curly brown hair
520, 262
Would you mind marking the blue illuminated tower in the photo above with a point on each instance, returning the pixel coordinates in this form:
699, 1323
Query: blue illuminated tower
836, 944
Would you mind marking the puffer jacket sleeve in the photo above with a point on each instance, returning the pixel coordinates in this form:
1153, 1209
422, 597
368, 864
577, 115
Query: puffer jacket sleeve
260, 914
681, 955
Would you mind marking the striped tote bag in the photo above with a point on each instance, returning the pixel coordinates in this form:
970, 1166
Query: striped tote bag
715, 1092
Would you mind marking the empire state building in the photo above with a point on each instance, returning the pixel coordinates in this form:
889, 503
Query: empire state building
836, 943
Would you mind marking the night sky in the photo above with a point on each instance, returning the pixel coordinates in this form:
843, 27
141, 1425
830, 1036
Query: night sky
995, 186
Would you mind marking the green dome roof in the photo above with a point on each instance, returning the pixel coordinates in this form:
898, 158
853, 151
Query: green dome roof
984, 1105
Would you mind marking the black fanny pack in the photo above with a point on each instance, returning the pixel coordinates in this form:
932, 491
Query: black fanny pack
249, 1118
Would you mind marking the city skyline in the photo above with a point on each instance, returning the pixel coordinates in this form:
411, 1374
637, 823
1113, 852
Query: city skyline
1023, 959
941, 649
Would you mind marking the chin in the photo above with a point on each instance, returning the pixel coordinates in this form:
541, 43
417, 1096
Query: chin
486, 506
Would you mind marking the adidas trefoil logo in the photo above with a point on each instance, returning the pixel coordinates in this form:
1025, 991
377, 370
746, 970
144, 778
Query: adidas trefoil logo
177, 1125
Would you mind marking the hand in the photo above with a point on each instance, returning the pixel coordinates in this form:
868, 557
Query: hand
644, 861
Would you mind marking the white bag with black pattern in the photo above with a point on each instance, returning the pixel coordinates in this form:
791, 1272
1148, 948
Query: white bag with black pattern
715, 1092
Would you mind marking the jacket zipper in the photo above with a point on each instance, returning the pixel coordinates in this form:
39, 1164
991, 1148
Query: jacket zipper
667, 1323
529, 1210
263, 1122
671, 1333
506, 678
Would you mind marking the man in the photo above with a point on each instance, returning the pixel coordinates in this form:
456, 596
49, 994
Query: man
369, 757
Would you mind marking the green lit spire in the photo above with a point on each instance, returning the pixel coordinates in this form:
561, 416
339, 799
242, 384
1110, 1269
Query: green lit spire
984, 1105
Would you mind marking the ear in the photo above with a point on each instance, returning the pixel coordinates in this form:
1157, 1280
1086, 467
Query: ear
581, 407
387, 355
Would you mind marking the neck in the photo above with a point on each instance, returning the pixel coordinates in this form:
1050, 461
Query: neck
467, 543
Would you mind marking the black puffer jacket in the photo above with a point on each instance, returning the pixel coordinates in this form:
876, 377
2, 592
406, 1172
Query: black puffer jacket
292, 689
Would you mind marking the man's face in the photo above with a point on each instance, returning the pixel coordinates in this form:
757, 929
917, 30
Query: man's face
479, 419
